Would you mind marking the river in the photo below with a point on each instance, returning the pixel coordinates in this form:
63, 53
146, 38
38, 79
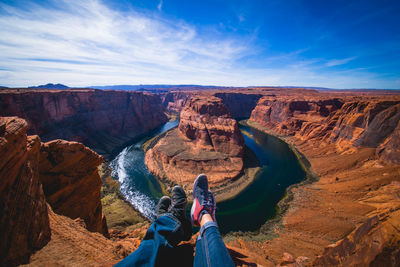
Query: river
248, 211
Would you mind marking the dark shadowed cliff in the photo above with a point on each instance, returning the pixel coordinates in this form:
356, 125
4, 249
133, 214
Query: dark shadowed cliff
102, 120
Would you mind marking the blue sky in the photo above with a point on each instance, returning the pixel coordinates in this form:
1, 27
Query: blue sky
336, 44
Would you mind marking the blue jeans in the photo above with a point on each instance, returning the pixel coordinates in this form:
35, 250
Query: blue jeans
158, 247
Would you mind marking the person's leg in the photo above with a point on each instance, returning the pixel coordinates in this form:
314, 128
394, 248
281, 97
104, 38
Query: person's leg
170, 227
210, 249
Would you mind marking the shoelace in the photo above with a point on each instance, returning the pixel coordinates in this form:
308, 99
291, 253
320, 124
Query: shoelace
209, 203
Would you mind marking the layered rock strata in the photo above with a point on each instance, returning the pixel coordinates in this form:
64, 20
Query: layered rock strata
352, 210
102, 120
240, 105
207, 140
24, 222
71, 182
33, 174
349, 124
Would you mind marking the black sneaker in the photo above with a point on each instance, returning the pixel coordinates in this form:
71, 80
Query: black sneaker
163, 206
179, 202
178, 210
203, 200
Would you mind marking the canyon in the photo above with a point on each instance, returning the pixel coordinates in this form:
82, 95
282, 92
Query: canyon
207, 140
346, 213
102, 120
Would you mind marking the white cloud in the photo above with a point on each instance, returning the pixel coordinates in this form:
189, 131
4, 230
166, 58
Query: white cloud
87, 39
337, 62
84, 43
159, 6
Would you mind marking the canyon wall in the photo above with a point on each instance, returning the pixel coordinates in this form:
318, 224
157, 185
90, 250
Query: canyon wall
350, 215
175, 101
24, 222
240, 105
71, 182
347, 123
32, 174
102, 120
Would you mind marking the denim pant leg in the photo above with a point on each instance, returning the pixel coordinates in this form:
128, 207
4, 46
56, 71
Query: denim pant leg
154, 250
210, 249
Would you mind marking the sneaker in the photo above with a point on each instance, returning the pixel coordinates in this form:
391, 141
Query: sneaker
163, 206
179, 202
203, 200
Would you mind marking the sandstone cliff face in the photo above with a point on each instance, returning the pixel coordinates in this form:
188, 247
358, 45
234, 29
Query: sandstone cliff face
363, 123
209, 124
102, 120
71, 183
240, 105
366, 123
207, 140
389, 150
24, 222
352, 142
292, 116
374, 243
175, 101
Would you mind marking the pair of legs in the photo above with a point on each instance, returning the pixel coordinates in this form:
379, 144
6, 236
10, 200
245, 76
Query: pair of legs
158, 247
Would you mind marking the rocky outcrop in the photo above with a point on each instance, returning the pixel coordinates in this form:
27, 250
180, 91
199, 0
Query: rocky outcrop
362, 123
207, 140
374, 243
389, 150
366, 123
33, 174
208, 123
71, 182
294, 116
102, 120
24, 222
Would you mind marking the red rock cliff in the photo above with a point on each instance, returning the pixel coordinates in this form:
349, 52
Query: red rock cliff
102, 120
33, 174
207, 140
348, 123
71, 183
209, 124
24, 222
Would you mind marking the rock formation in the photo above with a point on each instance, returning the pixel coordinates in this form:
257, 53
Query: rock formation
71, 182
102, 120
352, 143
174, 102
61, 173
240, 105
207, 140
24, 223
362, 123
373, 243
209, 124
288, 116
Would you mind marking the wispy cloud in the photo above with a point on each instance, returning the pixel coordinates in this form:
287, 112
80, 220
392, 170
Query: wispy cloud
82, 43
337, 62
91, 40
159, 6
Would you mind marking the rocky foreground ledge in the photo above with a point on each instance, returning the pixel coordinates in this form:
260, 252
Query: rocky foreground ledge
207, 140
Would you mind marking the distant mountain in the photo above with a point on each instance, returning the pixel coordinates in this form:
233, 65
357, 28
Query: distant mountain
150, 87
50, 86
